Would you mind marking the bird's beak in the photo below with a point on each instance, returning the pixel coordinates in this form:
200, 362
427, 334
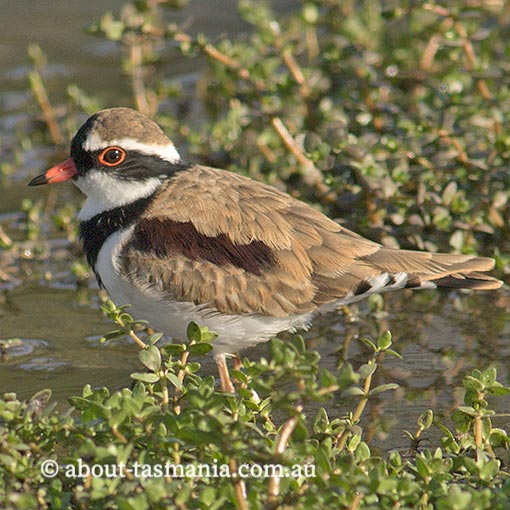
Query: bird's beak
58, 173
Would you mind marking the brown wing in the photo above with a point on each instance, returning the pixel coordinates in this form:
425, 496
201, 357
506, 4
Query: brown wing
216, 238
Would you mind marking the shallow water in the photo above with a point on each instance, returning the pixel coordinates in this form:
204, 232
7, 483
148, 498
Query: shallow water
442, 336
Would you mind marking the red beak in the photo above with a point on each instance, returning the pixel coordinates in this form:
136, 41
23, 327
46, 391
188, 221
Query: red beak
58, 173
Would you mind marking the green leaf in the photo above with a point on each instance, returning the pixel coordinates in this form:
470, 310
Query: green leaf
367, 370
154, 338
87, 405
299, 343
470, 464
310, 13
194, 332
128, 319
395, 459
457, 499
79, 403
499, 438
467, 410
447, 431
174, 380
489, 376
425, 420
394, 353
383, 387
490, 470
322, 460
113, 29
362, 453
369, 343
353, 391
384, 342
347, 376
472, 384
200, 349
151, 358
208, 336
354, 442
495, 389
112, 335
118, 418
422, 467
320, 421
239, 375
174, 349
208, 496
193, 367
145, 377
87, 391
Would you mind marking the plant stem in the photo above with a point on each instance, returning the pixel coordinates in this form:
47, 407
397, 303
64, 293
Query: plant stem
137, 340
340, 443
273, 488
180, 376
239, 487
41, 96
312, 176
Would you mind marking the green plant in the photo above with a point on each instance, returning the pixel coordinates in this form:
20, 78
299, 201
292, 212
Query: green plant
140, 448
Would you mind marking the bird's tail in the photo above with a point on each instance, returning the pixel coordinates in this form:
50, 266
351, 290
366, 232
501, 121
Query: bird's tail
425, 269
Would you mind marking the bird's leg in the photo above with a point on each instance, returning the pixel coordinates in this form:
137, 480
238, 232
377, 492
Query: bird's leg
237, 363
225, 381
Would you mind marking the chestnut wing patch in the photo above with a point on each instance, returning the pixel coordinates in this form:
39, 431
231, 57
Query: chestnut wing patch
165, 237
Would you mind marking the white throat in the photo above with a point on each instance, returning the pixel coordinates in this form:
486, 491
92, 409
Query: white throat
105, 192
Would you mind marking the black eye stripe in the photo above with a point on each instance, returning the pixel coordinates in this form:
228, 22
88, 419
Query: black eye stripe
136, 165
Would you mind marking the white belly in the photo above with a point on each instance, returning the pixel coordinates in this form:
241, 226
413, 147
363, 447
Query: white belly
235, 332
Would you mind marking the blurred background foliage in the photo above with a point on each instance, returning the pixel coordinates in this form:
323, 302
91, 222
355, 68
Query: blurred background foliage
392, 115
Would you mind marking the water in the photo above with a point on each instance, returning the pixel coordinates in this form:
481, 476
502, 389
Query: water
57, 326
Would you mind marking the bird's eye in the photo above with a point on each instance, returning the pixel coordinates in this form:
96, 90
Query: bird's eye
112, 156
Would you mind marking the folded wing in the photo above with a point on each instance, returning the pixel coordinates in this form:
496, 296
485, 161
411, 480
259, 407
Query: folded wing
241, 247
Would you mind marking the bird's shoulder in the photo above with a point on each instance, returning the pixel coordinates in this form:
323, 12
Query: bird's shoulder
218, 201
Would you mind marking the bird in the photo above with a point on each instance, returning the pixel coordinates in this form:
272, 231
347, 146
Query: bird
185, 242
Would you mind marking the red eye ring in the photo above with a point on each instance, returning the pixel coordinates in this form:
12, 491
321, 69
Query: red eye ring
112, 156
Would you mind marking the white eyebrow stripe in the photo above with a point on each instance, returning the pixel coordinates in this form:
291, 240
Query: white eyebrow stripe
167, 152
